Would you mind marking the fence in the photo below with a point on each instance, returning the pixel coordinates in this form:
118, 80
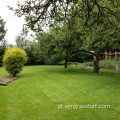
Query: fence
110, 55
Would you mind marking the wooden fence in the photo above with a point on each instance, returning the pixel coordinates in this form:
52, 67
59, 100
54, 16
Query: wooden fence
110, 55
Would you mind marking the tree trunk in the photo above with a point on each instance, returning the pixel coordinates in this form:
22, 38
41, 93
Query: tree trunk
14, 75
96, 64
66, 59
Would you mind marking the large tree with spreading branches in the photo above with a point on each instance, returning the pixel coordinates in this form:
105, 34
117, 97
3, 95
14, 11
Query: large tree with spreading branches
39, 13
91, 13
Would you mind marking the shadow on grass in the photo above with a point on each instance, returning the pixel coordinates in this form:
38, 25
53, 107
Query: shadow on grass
75, 70
107, 75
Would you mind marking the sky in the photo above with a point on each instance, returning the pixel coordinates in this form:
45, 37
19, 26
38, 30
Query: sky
13, 24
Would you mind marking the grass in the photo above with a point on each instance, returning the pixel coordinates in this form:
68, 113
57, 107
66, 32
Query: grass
40, 89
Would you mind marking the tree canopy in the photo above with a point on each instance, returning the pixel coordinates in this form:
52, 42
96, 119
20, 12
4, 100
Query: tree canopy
2, 29
76, 25
3, 42
39, 13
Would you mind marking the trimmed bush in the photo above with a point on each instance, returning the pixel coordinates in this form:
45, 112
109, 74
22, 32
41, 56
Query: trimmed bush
14, 59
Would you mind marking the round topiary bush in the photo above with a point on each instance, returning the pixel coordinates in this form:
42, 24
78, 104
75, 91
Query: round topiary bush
14, 59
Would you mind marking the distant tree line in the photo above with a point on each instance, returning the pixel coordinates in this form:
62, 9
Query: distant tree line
78, 27
75, 26
40, 54
2, 40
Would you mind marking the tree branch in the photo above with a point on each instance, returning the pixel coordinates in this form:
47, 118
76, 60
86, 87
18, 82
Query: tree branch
83, 51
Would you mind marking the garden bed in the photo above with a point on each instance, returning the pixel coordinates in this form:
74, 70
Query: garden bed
4, 81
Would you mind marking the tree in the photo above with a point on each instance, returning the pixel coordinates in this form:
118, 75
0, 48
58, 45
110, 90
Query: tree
60, 40
3, 45
3, 42
69, 41
2, 29
14, 59
100, 39
28, 45
38, 13
45, 48
21, 41
81, 57
92, 13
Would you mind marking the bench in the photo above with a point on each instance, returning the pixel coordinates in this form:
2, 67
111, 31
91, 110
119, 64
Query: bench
99, 70
84, 66
117, 68
72, 63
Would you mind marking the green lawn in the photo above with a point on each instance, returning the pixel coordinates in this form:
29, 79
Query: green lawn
39, 90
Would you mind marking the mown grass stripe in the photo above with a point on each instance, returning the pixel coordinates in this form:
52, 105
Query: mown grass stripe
40, 89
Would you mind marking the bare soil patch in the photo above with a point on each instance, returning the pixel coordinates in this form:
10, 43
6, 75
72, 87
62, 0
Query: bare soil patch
4, 81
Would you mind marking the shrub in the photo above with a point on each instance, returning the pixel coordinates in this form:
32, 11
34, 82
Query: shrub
61, 62
89, 63
108, 64
52, 59
14, 59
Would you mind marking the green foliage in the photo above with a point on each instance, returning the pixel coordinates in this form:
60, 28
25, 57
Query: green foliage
21, 41
99, 19
60, 40
99, 38
2, 29
29, 46
2, 41
62, 62
109, 64
2, 50
38, 14
14, 59
81, 57
89, 63
53, 59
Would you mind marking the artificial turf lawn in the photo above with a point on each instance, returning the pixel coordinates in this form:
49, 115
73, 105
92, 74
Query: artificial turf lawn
38, 91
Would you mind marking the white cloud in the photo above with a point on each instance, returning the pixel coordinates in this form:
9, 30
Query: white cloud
14, 24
